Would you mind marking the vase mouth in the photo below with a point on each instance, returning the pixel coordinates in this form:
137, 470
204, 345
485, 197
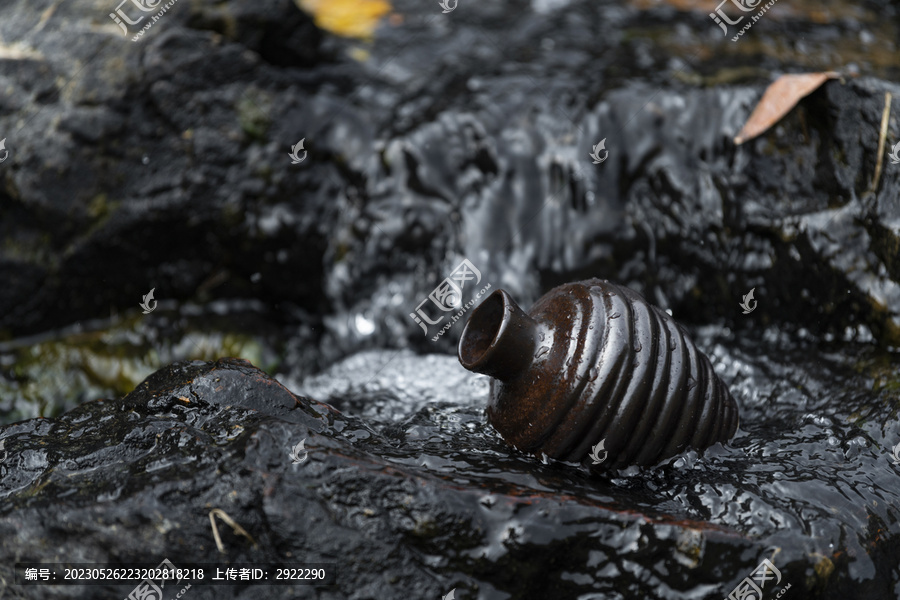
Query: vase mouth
499, 339
477, 345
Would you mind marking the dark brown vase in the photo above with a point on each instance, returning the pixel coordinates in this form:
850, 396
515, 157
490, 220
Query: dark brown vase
594, 362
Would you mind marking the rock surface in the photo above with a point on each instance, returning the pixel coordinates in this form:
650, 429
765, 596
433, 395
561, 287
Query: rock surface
411, 494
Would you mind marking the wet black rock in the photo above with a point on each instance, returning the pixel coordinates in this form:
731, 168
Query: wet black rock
159, 170
411, 494
451, 135
676, 211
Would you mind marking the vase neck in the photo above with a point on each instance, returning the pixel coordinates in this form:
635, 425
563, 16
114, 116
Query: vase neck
499, 340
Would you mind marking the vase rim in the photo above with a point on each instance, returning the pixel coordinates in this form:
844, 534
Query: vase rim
485, 325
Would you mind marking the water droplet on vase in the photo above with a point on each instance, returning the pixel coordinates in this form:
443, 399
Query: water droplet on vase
593, 373
569, 361
638, 347
692, 383
614, 316
542, 351
672, 344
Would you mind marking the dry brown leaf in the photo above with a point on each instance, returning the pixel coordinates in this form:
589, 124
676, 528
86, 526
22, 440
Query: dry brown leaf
780, 97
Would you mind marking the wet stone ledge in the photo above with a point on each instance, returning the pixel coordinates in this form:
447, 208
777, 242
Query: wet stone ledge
411, 494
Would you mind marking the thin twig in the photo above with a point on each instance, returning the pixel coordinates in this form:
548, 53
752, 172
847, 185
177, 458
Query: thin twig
218, 512
885, 117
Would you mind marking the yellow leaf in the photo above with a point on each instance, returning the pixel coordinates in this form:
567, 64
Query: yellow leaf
348, 18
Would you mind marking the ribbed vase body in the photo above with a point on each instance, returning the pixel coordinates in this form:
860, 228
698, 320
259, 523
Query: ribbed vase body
603, 365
